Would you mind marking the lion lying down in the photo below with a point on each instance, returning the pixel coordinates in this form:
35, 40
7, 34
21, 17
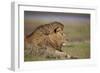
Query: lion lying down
47, 41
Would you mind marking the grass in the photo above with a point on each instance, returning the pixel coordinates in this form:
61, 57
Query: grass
79, 49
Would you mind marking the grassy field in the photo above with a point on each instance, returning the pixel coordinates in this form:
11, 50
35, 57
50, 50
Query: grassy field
79, 40
78, 44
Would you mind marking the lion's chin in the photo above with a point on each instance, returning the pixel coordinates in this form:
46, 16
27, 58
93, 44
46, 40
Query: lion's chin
64, 44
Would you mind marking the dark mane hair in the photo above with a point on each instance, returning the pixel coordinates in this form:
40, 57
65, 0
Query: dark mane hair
47, 28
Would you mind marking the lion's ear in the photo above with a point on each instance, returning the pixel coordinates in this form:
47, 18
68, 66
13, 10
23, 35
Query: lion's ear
57, 29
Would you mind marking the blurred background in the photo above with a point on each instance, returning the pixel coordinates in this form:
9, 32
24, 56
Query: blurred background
76, 27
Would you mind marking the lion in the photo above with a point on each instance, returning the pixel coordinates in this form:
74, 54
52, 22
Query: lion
47, 41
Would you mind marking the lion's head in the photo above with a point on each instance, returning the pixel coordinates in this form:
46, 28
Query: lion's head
57, 37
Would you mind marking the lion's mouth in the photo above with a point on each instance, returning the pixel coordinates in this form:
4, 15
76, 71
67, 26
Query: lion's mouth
64, 44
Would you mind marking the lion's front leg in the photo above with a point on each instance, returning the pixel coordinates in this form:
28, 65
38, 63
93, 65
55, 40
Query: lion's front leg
63, 55
52, 53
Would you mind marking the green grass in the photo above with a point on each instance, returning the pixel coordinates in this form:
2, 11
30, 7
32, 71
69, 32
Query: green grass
78, 49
